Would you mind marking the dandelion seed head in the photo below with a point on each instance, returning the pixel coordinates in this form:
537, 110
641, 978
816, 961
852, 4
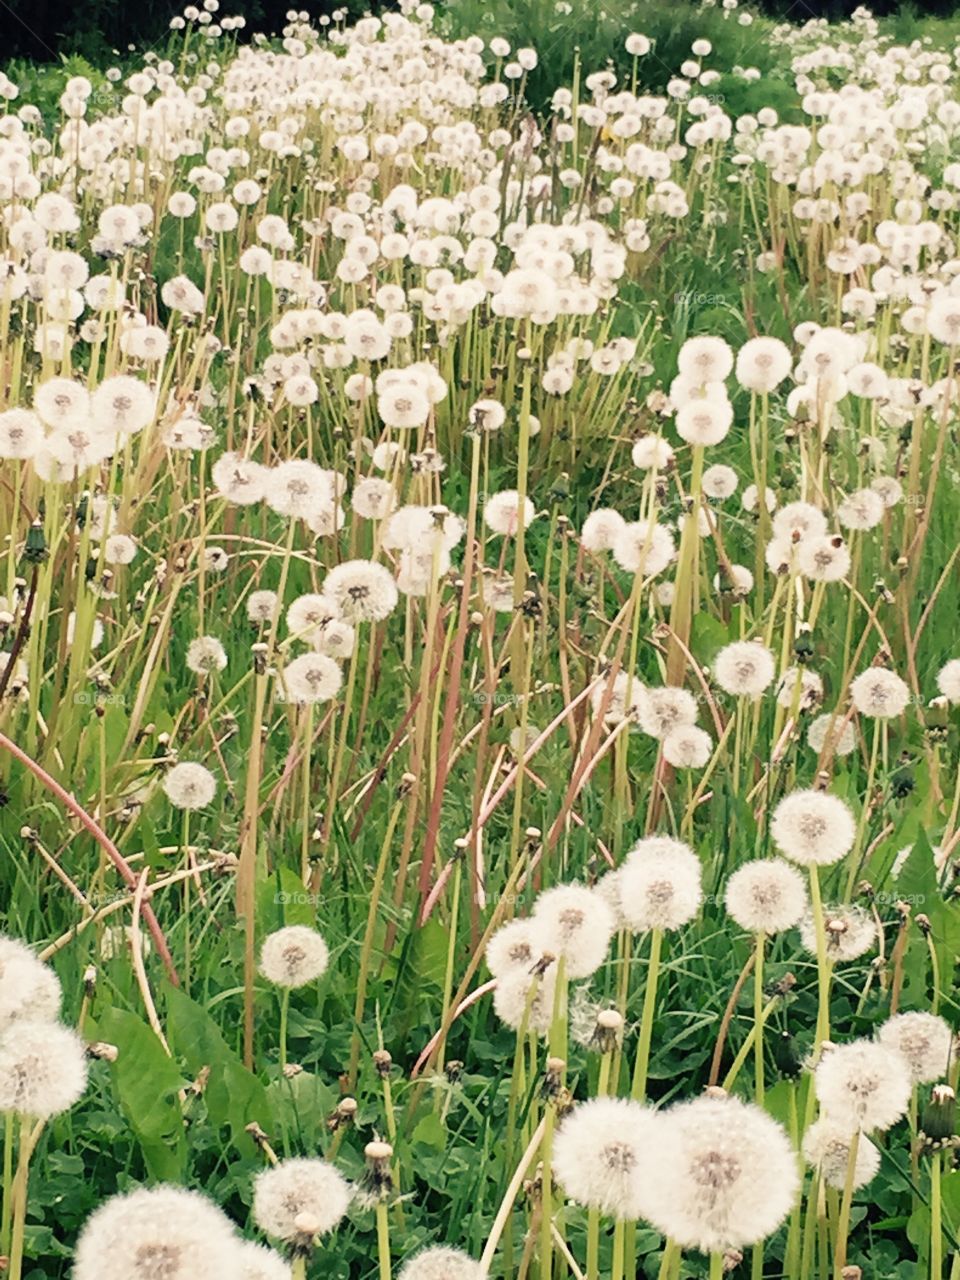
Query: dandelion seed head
293, 956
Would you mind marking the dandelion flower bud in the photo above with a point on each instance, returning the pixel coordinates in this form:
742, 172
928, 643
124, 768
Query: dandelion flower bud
850, 930
600, 1155
826, 1148
519, 944
301, 1187
813, 828
190, 786
766, 896
924, 1039
723, 1175
863, 1085
158, 1231
660, 885
43, 1069
577, 925
745, 668
293, 956
441, 1263
29, 989
879, 693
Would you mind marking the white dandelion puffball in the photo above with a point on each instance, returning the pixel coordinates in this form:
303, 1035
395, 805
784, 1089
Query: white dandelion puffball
948, 680
206, 655
29, 989
43, 1069
601, 528
863, 1085
724, 1175
518, 944
296, 1190
826, 1148
745, 668
665, 708
851, 932
362, 590
525, 998
293, 956
190, 785
643, 547
813, 828
705, 359
763, 363
577, 924
257, 1262
440, 1262
834, 728
660, 885
601, 1153
766, 896
504, 512
157, 1231
801, 686
313, 677
879, 693
924, 1039
687, 747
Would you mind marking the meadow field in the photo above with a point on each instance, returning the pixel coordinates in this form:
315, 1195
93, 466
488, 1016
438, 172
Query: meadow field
480, 649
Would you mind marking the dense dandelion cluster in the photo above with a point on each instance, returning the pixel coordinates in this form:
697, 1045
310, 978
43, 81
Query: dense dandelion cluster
478, 659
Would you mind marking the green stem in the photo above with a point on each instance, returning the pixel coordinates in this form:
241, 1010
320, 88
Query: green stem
642, 1064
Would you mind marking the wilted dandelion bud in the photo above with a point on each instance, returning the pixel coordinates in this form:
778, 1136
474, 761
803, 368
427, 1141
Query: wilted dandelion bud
938, 1124
102, 1051
441, 1263
378, 1179
722, 1174
608, 1031
343, 1114
766, 896
577, 925
602, 1155
863, 1085
159, 1231
826, 1148
298, 1189
924, 1039
813, 828
293, 956
383, 1062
